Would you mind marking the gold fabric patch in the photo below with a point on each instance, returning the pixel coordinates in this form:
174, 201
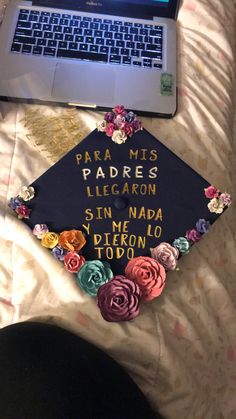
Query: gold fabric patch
54, 135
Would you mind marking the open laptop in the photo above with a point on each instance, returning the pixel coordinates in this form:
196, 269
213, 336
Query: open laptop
91, 53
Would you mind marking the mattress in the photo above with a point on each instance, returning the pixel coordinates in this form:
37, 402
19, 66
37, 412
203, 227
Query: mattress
181, 349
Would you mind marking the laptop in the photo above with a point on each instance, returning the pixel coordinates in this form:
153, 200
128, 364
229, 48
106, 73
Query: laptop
91, 53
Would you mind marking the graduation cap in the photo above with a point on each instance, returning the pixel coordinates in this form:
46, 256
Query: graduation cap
130, 205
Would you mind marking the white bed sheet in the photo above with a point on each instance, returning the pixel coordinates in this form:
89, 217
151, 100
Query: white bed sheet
181, 350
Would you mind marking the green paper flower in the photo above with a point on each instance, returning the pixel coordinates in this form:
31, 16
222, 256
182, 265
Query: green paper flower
182, 244
93, 274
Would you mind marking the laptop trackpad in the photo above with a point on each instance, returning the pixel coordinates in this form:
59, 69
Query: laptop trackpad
89, 83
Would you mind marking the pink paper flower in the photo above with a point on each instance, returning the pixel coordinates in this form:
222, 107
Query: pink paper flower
73, 261
166, 254
193, 235
211, 192
149, 274
119, 110
110, 128
23, 211
225, 198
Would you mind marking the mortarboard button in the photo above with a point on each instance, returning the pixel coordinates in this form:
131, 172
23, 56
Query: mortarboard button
121, 203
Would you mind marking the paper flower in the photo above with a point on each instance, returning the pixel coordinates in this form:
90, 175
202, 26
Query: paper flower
27, 193
202, 226
119, 136
39, 230
59, 253
225, 199
15, 202
93, 274
72, 240
119, 124
49, 240
216, 206
182, 244
149, 274
118, 299
211, 192
193, 235
166, 254
73, 261
23, 211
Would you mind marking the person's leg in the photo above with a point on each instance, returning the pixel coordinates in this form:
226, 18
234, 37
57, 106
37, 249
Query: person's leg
49, 373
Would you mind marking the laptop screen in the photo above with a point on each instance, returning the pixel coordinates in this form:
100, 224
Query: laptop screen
145, 9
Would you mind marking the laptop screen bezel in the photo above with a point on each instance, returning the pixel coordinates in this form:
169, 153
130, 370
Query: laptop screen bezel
118, 8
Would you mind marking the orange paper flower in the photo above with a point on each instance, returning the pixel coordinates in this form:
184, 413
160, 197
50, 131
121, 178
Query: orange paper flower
72, 240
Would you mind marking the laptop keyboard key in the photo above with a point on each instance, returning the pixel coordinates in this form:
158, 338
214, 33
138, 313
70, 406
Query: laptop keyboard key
50, 52
137, 63
37, 26
16, 47
104, 49
126, 60
48, 35
73, 45
24, 40
68, 38
58, 36
26, 49
63, 44
157, 65
93, 48
151, 54
115, 59
82, 55
38, 34
33, 18
24, 24
42, 42
83, 47
37, 50
23, 16
51, 43
22, 31
147, 63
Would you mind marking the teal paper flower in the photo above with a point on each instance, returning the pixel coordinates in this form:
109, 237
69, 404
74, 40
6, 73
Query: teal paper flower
93, 274
182, 244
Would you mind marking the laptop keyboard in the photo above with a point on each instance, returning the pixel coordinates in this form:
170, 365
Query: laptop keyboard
85, 38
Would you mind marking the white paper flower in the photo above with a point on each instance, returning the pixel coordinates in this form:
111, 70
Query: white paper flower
101, 125
27, 193
216, 206
119, 137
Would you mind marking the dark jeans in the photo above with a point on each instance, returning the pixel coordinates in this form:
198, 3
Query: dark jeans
47, 372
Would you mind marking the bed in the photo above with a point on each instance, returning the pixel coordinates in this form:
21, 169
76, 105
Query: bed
181, 350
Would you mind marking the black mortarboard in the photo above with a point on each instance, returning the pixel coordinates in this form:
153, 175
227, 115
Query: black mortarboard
126, 199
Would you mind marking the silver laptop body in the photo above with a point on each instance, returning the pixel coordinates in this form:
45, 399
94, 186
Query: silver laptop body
81, 82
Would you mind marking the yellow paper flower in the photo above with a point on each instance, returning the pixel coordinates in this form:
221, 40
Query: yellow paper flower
49, 240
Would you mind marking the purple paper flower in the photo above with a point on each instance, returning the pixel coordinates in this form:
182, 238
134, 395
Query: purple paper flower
59, 253
118, 299
109, 117
202, 226
193, 235
15, 202
136, 125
